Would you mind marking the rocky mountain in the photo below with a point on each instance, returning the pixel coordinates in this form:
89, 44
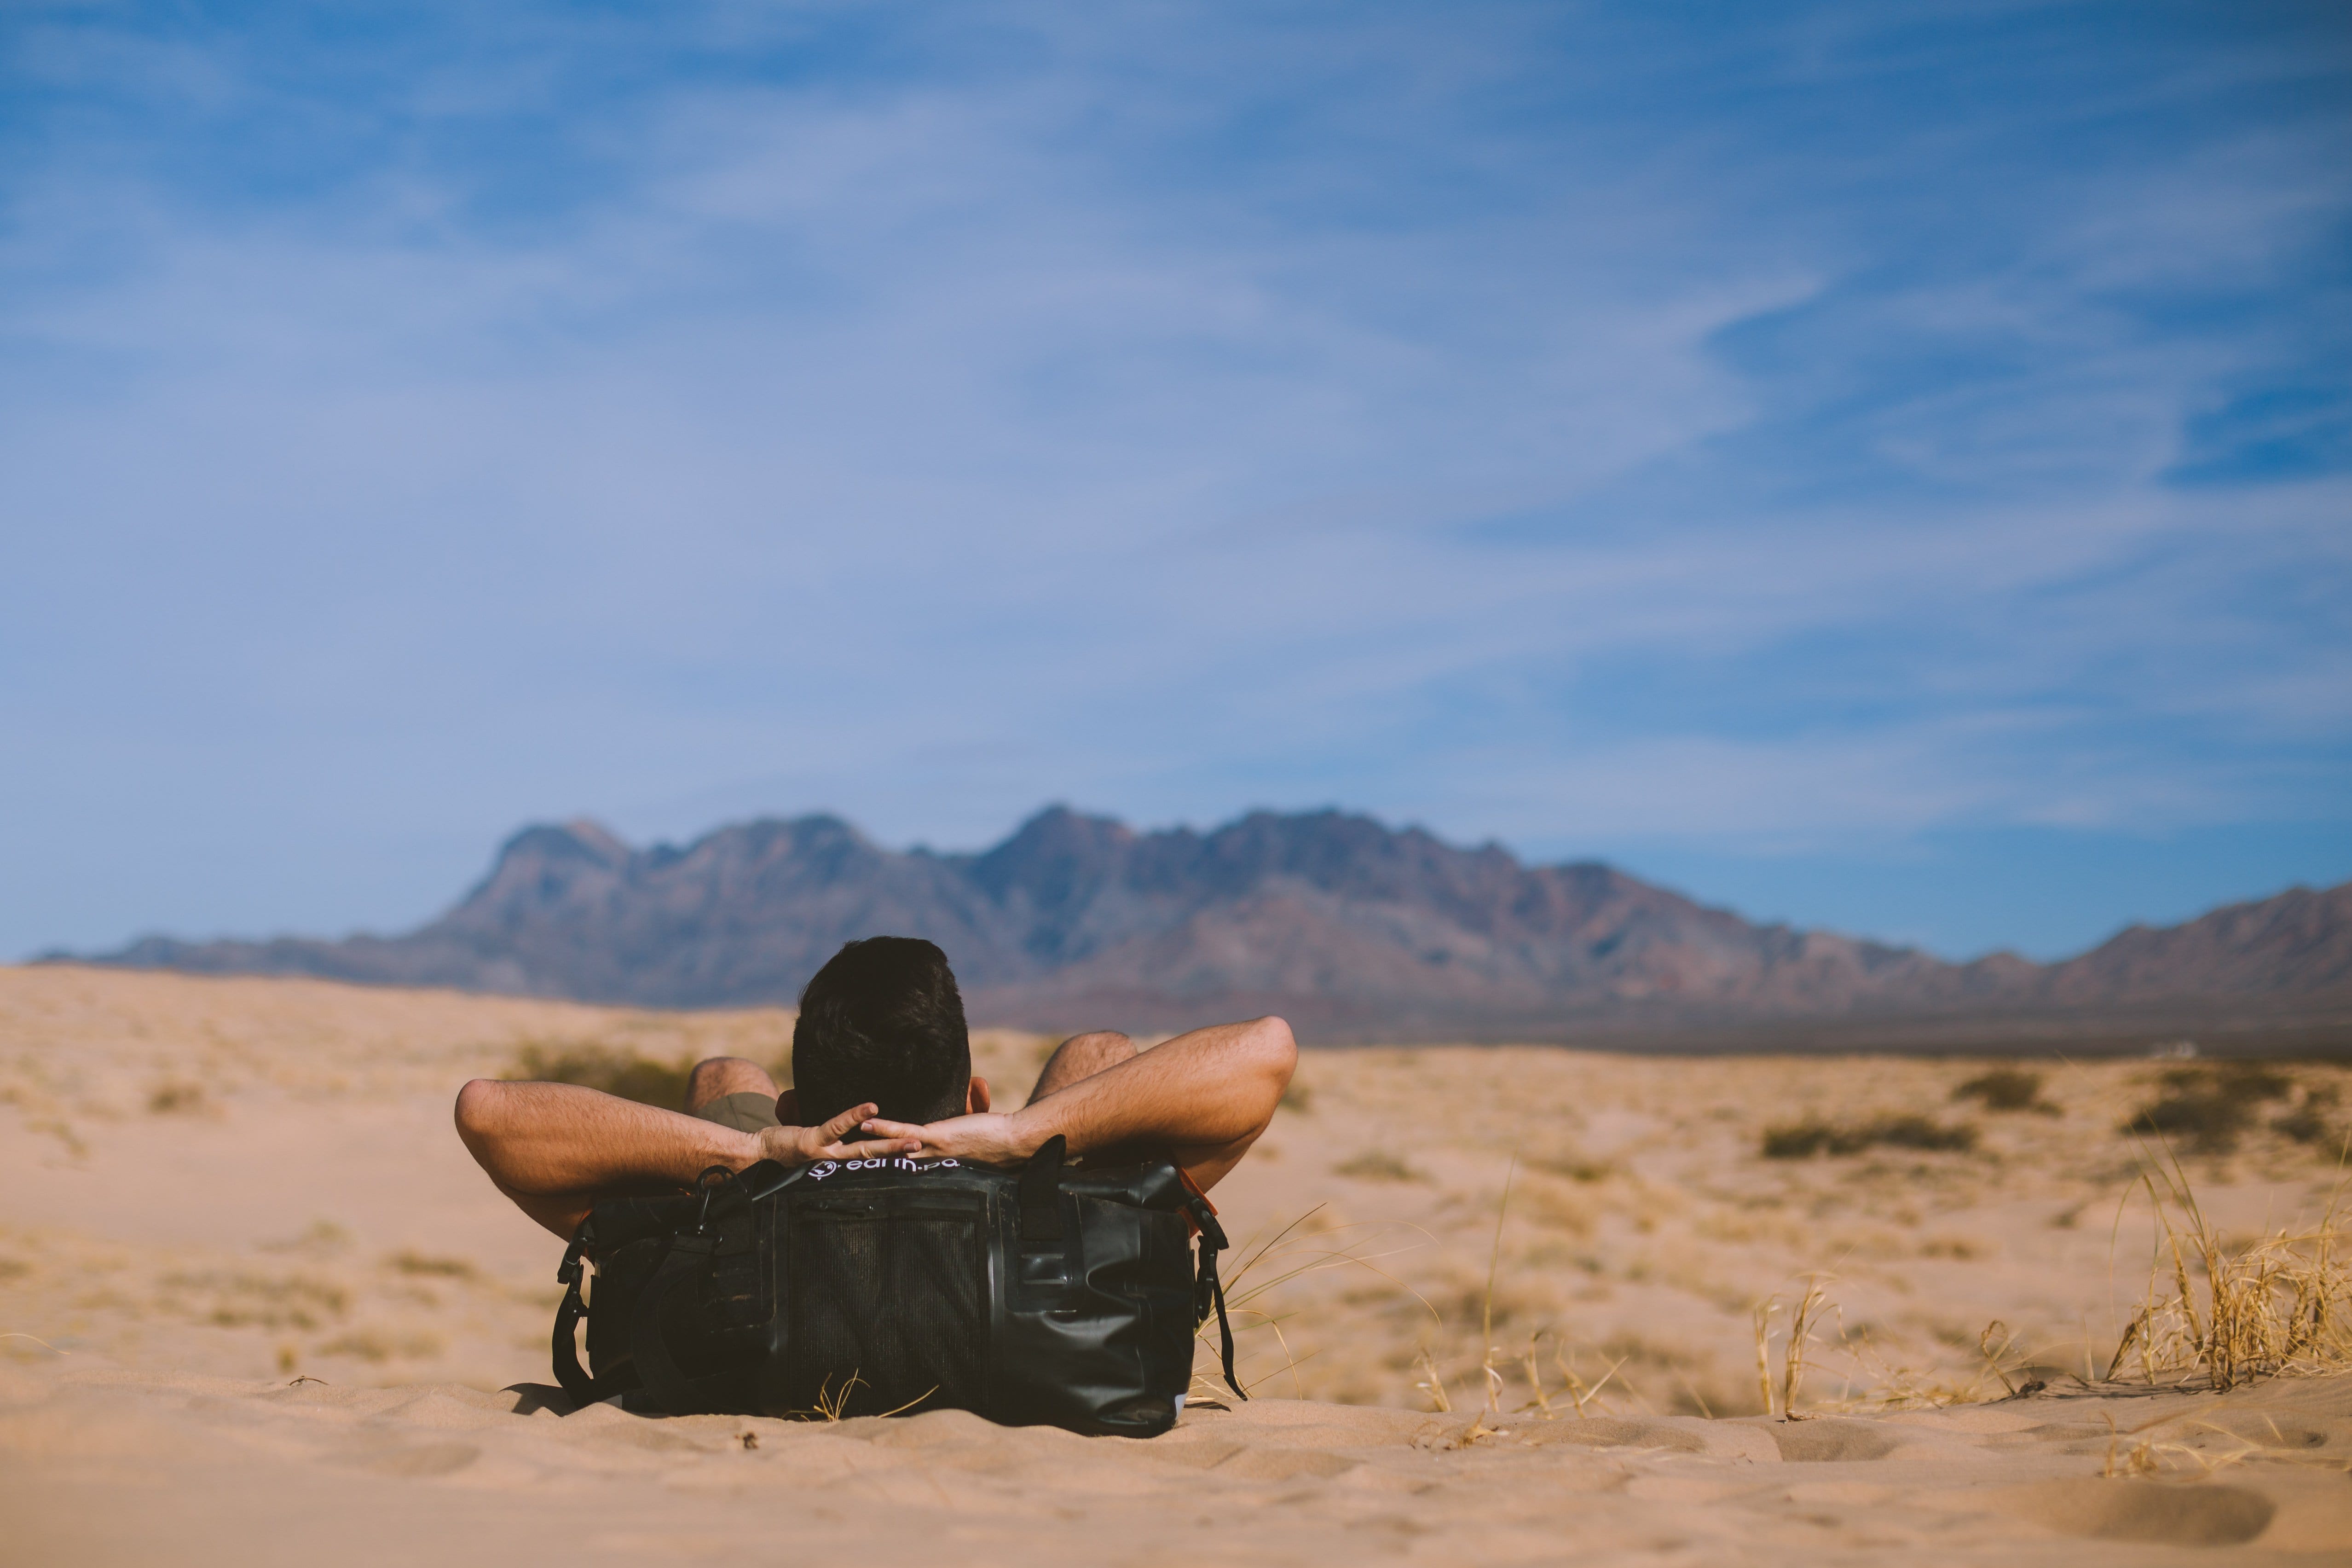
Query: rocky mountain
1352, 928
2296, 944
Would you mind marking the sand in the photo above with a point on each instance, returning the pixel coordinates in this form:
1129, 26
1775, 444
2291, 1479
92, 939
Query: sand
108, 1464
214, 1192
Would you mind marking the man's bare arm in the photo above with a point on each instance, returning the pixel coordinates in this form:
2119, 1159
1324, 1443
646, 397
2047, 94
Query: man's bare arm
1205, 1097
556, 1149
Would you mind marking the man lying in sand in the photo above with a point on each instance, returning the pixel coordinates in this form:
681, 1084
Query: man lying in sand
881, 1064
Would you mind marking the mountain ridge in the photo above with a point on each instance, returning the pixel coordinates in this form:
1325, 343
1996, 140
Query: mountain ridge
1353, 928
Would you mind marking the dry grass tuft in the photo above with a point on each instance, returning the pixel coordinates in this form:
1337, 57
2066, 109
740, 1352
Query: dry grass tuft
1868, 1382
1488, 1351
1304, 1246
1491, 1364
1801, 1140
2279, 1303
1805, 1318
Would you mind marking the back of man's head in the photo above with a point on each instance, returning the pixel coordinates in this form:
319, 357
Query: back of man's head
882, 1021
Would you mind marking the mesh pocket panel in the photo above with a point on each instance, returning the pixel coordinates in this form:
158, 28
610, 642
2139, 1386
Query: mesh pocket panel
889, 1302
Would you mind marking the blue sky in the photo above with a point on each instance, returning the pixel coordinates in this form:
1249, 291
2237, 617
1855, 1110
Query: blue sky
1884, 465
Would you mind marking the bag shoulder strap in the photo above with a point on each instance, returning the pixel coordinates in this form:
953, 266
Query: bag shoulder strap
1208, 1290
578, 1386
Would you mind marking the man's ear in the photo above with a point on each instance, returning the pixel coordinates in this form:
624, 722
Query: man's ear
975, 1099
788, 1108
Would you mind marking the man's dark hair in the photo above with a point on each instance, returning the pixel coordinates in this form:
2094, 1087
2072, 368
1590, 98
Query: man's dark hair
882, 1021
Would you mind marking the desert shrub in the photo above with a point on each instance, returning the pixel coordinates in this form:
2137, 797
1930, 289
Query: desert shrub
2211, 1123
2006, 1089
178, 1097
610, 1069
240, 1298
2209, 1107
2245, 1080
1918, 1132
2313, 1120
1378, 1165
1576, 1167
1796, 1140
1801, 1140
1553, 1207
377, 1345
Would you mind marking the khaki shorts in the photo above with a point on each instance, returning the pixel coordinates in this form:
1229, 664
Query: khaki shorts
743, 1113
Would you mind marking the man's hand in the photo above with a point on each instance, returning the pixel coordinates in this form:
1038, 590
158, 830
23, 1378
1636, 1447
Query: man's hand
989, 1138
805, 1145
1203, 1097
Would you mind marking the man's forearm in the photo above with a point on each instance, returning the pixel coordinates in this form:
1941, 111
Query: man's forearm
548, 1139
1213, 1087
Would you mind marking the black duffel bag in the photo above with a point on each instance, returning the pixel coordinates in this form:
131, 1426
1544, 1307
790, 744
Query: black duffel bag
1043, 1296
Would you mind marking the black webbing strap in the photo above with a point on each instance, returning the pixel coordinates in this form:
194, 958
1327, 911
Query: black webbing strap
578, 1386
1208, 1290
766, 1178
1041, 1197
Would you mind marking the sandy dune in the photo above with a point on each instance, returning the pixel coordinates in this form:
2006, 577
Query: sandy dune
114, 1466
210, 1189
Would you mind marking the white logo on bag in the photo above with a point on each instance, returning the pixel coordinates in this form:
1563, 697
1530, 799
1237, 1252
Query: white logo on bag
824, 1168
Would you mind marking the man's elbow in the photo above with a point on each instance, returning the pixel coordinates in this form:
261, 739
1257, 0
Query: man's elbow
480, 1111
1273, 1051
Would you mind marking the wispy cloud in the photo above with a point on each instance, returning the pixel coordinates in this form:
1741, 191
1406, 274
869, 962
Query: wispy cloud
1583, 427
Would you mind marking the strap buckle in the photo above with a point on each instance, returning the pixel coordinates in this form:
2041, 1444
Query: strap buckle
568, 1271
709, 1188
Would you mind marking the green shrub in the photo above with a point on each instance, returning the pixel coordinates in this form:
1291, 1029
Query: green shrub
2007, 1088
1379, 1165
2209, 1107
2313, 1120
610, 1069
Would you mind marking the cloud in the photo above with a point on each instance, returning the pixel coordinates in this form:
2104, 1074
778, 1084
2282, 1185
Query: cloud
1546, 424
